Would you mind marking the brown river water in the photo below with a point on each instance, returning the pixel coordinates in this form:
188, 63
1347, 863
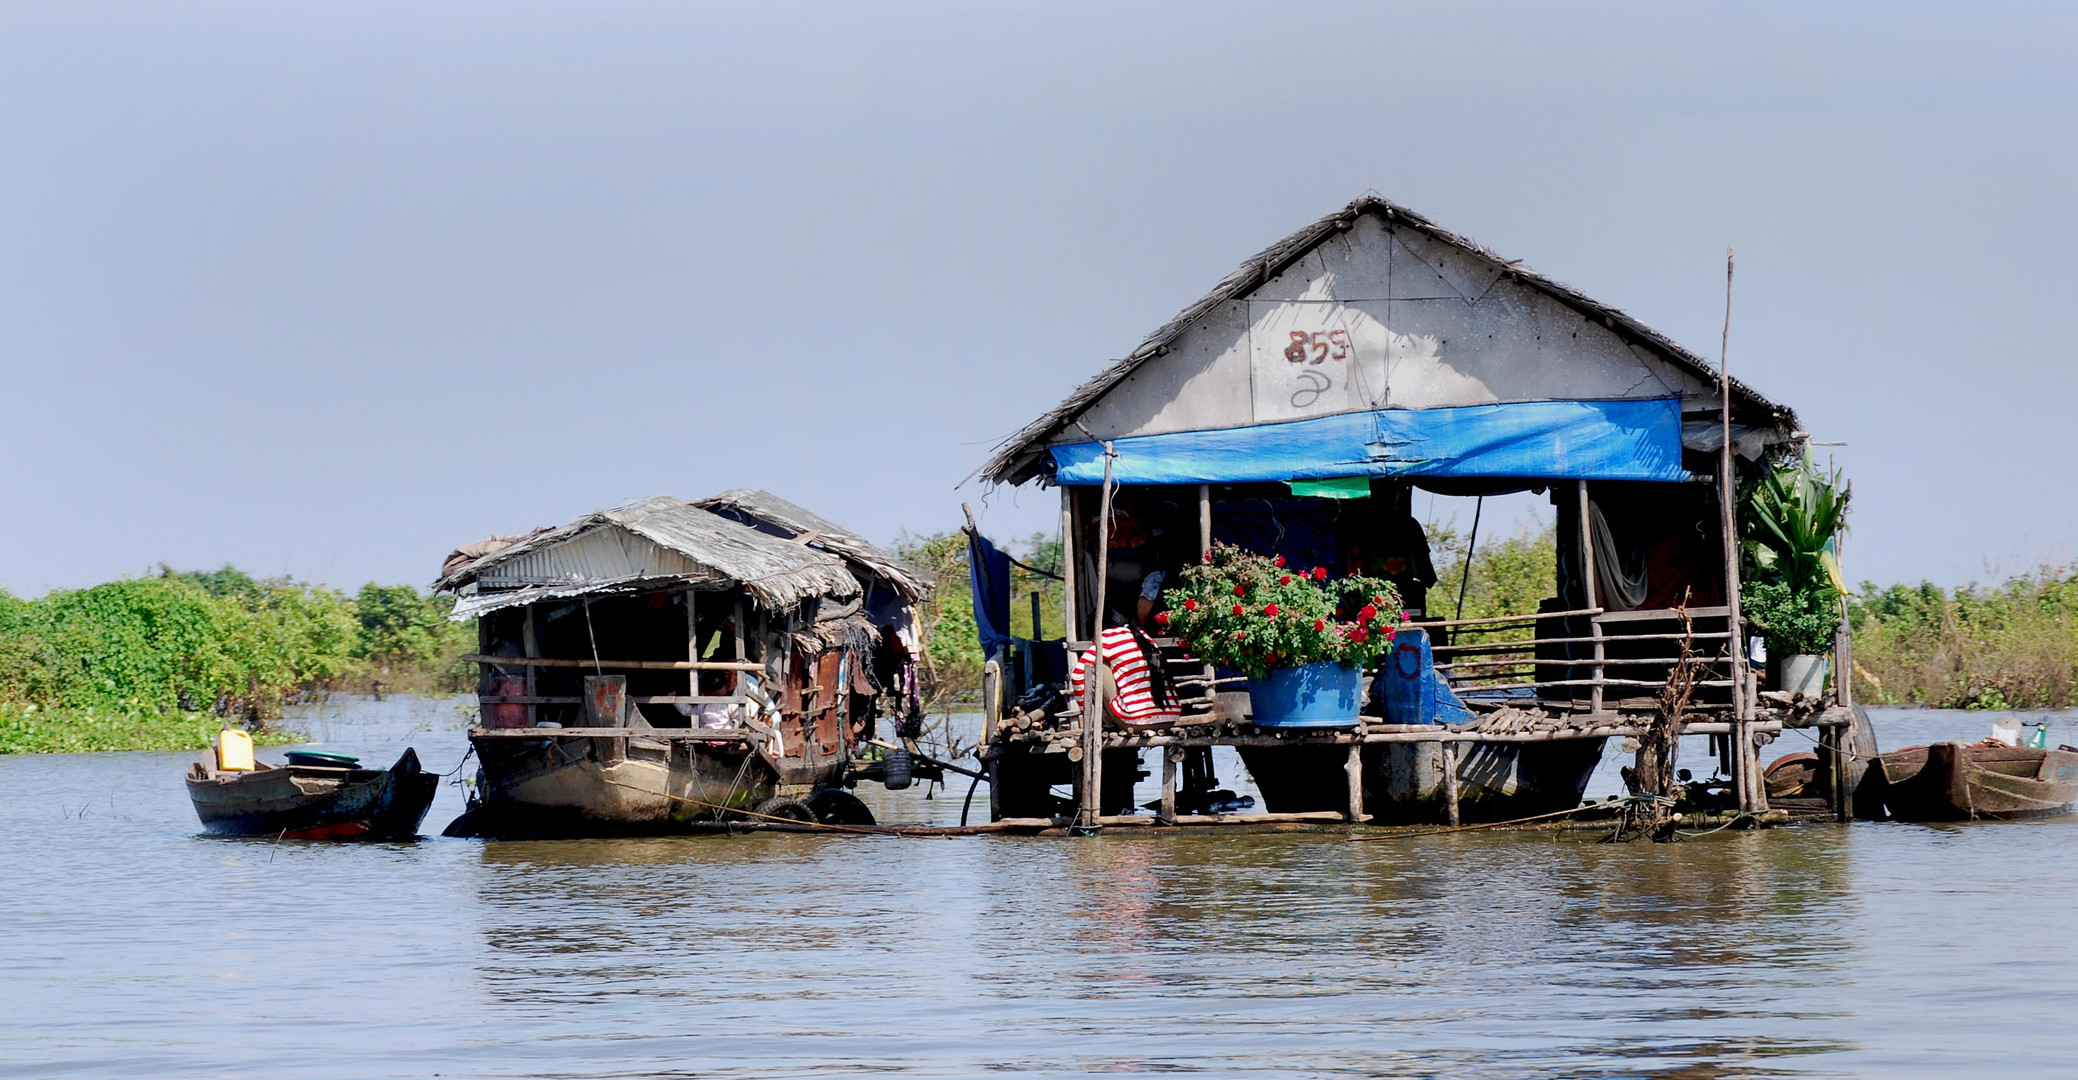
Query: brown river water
132, 947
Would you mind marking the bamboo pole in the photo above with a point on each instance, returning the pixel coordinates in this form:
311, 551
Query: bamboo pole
1744, 763
1096, 682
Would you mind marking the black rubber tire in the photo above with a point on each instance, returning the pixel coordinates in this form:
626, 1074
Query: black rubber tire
779, 806
836, 806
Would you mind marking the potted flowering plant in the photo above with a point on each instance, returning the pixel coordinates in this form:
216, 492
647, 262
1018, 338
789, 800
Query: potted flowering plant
1302, 638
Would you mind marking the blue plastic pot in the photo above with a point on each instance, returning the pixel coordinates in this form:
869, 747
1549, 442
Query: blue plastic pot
1323, 695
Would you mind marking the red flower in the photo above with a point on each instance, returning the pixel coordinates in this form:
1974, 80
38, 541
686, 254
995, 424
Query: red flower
1190, 605
1238, 609
1368, 613
1161, 618
1270, 609
1240, 590
1284, 579
1320, 573
1319, 625
1359, 634
1403, 616
1388, 634
1278, 561
1208, 556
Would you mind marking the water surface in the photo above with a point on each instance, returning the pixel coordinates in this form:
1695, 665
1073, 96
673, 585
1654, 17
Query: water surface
135, 948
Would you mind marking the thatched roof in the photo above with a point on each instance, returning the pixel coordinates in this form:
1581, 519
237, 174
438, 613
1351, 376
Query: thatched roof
1018, 458
654, 543
770, 513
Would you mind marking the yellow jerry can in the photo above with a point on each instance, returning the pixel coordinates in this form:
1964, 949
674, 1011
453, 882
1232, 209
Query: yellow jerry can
234, 751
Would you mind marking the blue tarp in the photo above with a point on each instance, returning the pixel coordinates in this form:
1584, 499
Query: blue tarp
1553, 440
989, 574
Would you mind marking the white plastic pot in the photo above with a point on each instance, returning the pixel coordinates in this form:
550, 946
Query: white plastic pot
1802, 674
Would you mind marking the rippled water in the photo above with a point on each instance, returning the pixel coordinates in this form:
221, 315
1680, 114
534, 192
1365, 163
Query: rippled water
134, 948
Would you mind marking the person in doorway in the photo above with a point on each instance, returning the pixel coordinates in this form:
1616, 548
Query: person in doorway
1145, 695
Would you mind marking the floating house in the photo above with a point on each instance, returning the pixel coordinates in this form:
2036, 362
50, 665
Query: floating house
668, 663
1295, 409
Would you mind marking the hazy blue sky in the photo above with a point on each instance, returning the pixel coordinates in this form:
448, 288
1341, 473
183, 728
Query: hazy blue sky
328, 289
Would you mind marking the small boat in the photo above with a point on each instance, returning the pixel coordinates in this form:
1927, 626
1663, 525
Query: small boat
313, 797
1954, 782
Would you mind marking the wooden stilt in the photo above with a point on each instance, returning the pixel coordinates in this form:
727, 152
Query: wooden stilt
1354, 768
1096, 682
1170, 756
1450, 790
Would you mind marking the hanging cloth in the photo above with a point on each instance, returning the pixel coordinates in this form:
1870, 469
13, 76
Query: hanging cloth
1619, 575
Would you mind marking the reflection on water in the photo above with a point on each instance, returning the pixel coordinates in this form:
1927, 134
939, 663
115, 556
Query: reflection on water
138, 949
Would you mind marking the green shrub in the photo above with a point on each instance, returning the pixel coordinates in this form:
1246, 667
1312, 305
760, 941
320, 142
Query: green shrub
159, 662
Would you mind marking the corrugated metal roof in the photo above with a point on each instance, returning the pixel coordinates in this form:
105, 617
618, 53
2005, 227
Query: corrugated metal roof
654, 542
754, 507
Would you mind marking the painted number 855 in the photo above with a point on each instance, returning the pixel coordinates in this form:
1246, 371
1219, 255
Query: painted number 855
1317, 346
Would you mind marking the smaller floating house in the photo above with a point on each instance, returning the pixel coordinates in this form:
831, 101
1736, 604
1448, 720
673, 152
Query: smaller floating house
668, 663
1295, 410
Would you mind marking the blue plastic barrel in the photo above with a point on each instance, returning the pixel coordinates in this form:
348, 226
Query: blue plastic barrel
1411, 688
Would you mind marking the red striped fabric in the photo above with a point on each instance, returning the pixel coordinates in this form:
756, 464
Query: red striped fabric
1135, 702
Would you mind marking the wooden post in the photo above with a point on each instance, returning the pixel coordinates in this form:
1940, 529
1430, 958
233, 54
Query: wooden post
1354, 770
1590, 593
1204, 518
1096, 683
991, 699
1450, 792
692, 649
1170, 756
532, 648
995, 796
1204, 547
1068, 630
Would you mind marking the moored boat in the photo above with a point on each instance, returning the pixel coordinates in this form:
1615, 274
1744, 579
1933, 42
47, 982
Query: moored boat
323, 797
1953, 782
664, 666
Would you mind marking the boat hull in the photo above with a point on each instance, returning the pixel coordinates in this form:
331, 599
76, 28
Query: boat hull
635, 786
1953, 782
1404, 782
303, 803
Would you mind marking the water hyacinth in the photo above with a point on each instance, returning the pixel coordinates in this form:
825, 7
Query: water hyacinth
1298, 619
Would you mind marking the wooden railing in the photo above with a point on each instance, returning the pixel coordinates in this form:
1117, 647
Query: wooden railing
1497, 665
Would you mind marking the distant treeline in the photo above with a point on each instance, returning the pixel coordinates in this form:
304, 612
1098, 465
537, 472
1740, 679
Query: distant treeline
160, 662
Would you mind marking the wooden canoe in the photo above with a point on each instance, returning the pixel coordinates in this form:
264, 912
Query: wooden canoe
309, 802
1954, 782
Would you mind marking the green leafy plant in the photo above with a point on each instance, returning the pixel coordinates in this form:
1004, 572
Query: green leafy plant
1253, 613
1792, 587
1793, 514
1796, 622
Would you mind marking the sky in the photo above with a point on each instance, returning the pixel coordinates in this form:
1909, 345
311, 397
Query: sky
326, 290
